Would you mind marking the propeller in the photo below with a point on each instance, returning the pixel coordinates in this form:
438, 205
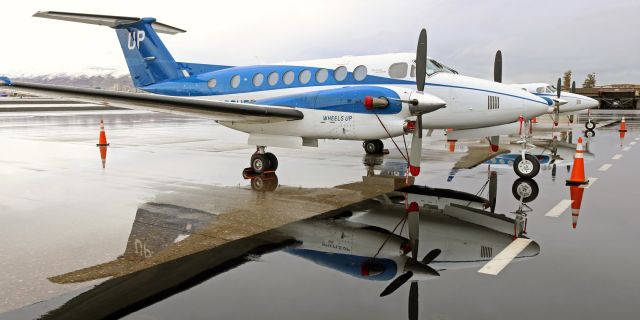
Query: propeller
573, 87
421, 77
413, 265
420, 103
558, 103
497, 67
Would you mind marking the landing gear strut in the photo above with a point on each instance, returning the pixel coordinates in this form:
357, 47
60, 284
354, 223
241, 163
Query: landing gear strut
589, 125
526, 165
373, 146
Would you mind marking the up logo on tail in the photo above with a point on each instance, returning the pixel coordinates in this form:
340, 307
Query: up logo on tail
135, 37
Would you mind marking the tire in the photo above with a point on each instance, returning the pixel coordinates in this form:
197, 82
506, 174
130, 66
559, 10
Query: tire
526, 188
589, 133
380, 146
528, 168
259, 163
589, 125
272, 160
372, 146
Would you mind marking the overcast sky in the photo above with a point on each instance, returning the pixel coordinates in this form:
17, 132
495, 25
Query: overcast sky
539, 38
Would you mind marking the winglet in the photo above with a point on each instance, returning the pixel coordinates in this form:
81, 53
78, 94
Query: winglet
5, 81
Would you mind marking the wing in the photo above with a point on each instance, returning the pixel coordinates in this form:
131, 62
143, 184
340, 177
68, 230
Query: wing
216, 110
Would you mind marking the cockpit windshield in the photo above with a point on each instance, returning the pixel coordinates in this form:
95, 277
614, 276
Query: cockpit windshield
433, 67
551, 89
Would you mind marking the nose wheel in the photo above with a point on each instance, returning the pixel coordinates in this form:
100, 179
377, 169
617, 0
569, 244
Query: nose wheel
526, 165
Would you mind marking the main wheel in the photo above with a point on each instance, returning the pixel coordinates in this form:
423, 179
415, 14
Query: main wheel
373, 146
589, 125
272, 160
259, 163
527, 168
524, 188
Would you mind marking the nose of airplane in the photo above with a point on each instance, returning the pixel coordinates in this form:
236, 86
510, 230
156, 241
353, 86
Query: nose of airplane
535, 106
591, 103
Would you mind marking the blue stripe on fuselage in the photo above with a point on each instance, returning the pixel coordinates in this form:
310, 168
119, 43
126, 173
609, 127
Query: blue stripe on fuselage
347, 99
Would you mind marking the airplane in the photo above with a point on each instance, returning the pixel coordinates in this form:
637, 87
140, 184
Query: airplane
294, 104
570, 101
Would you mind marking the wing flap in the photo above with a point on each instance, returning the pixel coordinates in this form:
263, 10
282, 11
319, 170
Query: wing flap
216, 110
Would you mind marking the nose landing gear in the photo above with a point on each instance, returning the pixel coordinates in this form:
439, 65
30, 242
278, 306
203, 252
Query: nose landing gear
526, 165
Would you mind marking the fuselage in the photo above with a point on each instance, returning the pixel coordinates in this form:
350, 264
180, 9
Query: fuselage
318, 88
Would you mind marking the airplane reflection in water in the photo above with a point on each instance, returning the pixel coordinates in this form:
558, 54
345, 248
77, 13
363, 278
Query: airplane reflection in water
410, 235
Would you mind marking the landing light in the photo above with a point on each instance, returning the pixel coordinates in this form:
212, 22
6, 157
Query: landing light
375, 103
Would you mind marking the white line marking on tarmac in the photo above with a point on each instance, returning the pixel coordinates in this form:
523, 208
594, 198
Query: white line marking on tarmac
605, 167
560, 208
637, 139
505, 256
592, 180
616, 157
632, 143
626, 148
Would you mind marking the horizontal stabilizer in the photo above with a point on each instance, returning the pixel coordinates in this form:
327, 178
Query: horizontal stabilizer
104, 20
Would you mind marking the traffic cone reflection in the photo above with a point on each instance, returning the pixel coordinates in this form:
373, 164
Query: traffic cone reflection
576, 196
103, 155
102, 139
452, 145
577, 174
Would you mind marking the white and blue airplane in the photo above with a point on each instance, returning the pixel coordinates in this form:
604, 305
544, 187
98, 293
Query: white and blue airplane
570, 101
293, 105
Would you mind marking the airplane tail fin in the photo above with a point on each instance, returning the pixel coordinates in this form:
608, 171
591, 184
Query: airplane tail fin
148, 59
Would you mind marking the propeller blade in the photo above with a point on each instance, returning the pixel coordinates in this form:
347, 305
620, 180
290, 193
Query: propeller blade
573, 87
413, 301
416, 148
429, 257
493, 190
421, 61
497, 67
559, 88
414, 228
396, 283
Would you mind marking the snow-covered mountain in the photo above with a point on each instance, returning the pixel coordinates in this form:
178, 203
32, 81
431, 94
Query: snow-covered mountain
103, 78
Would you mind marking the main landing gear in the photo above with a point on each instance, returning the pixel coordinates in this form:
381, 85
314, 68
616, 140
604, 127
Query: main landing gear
261, 162
526, 165
373, 146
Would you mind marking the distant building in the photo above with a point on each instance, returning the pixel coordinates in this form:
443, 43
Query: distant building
614, 96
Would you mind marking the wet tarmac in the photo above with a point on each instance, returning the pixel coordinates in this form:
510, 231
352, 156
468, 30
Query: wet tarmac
169, 229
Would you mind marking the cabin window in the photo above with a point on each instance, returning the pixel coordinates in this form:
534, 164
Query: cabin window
540, 90
212, 83
305, 76
413, 71
235, 81
398, 70
258, 79
360, 72
340, 73
287, 78
322, 75
273, 78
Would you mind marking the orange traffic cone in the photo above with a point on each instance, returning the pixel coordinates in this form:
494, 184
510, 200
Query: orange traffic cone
103, 155
452, 145
102, 140
577, 174
576, 196
623, 125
